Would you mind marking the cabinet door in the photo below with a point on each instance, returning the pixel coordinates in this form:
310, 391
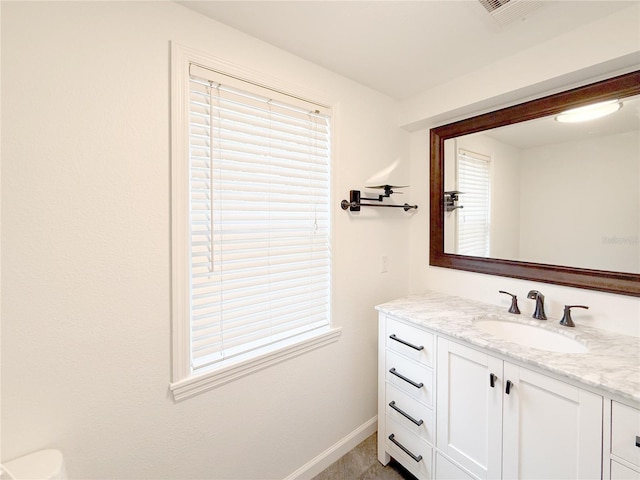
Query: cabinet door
552, 430
468, 418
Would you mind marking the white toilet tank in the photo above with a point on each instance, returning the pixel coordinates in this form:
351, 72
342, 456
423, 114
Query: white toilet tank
40, 465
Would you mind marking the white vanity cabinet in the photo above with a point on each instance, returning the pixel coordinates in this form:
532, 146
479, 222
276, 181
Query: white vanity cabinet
445, 411
499, 420
493, 407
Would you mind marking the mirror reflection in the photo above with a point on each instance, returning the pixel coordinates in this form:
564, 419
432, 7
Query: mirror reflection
548, 192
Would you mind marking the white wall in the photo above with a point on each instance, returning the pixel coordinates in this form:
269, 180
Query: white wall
86, 255
572, 57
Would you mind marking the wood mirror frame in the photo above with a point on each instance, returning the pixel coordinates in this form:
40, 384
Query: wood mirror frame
607, 281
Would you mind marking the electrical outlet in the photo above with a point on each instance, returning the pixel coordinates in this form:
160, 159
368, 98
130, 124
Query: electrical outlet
384, 264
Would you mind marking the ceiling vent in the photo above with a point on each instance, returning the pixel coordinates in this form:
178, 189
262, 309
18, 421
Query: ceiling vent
508, 11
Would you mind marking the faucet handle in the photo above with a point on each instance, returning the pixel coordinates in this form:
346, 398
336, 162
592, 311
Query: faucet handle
514, 302
566, 317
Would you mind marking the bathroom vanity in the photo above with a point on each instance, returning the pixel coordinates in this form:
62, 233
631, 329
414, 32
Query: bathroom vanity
467, 390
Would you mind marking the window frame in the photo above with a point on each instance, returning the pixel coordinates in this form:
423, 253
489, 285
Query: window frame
184, 383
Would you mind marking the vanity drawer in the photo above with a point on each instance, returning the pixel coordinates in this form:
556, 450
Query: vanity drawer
410, 341
625, 432
410, 451
410, 377
621, 472
409, 413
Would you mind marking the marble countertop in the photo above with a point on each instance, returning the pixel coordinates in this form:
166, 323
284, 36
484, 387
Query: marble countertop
612, 363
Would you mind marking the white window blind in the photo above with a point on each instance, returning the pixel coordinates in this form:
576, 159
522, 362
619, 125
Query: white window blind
474, 219
259, 218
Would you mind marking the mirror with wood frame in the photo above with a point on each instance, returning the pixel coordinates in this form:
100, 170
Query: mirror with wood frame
519, 193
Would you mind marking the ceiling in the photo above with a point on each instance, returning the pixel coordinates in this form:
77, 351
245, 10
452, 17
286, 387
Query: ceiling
402, 48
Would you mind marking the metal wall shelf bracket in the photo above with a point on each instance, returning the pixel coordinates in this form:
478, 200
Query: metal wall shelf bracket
355, 200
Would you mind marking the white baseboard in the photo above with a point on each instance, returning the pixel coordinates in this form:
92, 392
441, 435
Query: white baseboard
337, 450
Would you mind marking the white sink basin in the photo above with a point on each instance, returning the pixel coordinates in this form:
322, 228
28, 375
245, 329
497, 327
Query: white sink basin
532, 336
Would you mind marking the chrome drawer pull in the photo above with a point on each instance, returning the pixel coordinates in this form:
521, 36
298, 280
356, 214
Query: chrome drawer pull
404, 342
405, 414
404, 449
408, 380
637, 441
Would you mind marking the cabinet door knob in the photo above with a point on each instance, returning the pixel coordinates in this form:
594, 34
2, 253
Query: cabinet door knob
492, 380
507, 389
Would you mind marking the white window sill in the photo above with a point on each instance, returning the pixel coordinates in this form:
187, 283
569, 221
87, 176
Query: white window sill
195, 385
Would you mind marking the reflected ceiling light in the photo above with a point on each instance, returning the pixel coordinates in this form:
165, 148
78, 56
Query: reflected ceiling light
589, 112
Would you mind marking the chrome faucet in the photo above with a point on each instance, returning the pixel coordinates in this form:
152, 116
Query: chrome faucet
539, 298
